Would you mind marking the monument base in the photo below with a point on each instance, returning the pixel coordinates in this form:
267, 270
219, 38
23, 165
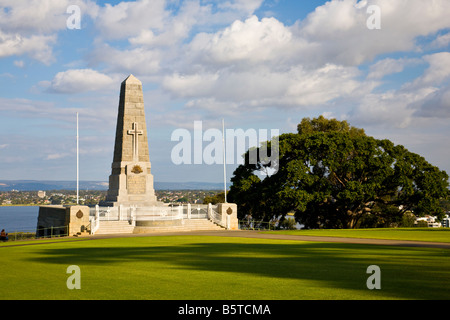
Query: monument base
132, 204
159, 223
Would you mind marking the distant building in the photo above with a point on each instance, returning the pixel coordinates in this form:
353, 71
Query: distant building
431, 220
41, 194
446, 221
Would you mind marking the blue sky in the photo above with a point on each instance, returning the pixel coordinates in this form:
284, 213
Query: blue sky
257, 64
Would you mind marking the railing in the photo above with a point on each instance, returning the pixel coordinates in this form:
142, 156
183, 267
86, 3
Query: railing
255, 225
157, 213
111, 213
133, 214
215, 216
52, 232
197, 211
94, 224
21, 234
108, 214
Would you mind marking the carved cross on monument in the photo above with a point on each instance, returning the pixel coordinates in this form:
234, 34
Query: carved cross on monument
135, 133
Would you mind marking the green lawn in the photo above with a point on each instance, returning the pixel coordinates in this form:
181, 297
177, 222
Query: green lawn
414, 234
221, 268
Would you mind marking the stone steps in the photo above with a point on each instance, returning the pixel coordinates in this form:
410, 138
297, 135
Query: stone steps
118, 227
188, 225
114, 227
201, 224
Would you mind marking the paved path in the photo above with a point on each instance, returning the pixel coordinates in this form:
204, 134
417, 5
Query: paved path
256, 234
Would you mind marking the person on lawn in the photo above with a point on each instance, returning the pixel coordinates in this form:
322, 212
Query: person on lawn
3, 235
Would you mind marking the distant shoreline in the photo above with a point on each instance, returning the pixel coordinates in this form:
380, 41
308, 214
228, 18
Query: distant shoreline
20, 205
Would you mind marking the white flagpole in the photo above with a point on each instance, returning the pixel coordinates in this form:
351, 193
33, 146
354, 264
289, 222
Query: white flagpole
224, 160
78, 163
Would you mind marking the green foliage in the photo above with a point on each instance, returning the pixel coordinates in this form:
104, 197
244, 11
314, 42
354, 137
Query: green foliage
334, 176
182, 199
15, 236
288, 224
321, 124
408, 220
422, 224
215, 199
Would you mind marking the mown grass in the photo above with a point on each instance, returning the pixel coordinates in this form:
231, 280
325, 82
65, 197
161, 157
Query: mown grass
412, 234
221, 268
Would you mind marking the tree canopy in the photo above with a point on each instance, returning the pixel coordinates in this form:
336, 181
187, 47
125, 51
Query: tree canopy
215, 199
332, 175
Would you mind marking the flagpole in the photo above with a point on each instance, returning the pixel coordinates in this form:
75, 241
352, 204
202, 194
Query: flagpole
224, 161
78, 163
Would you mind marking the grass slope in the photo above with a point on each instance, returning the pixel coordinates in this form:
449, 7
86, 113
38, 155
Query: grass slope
221, 268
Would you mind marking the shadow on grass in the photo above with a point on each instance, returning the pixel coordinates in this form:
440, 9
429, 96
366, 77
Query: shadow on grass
406, 273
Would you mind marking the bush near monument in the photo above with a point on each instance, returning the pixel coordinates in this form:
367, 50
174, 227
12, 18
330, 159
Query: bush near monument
332, 175
215, 199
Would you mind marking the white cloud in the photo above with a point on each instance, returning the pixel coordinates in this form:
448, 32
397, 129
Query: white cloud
138, 61
297, 87
427, 96
158, 30
29, 27
57, 156
264, 63
389, 66
340, 34
7, 75
437, 72
435, 82
127, 19
19, 63
36, 46
245, 42
24, 107
386, 109
186, 86
246, 6
435, 105
155, 22
441, 41
94, 114
254, 64
33, 17
80, 80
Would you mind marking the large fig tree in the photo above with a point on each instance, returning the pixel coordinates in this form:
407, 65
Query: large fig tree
332, 175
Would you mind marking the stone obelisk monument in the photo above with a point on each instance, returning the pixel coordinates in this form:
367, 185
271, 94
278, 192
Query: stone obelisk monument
131, 181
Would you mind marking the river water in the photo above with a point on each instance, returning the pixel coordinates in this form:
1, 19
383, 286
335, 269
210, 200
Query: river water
16, 218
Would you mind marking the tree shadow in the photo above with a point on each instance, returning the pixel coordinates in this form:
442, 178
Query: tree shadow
406, 273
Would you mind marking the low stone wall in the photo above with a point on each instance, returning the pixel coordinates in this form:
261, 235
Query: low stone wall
60, 220
229, 215
51, 217
78, 219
